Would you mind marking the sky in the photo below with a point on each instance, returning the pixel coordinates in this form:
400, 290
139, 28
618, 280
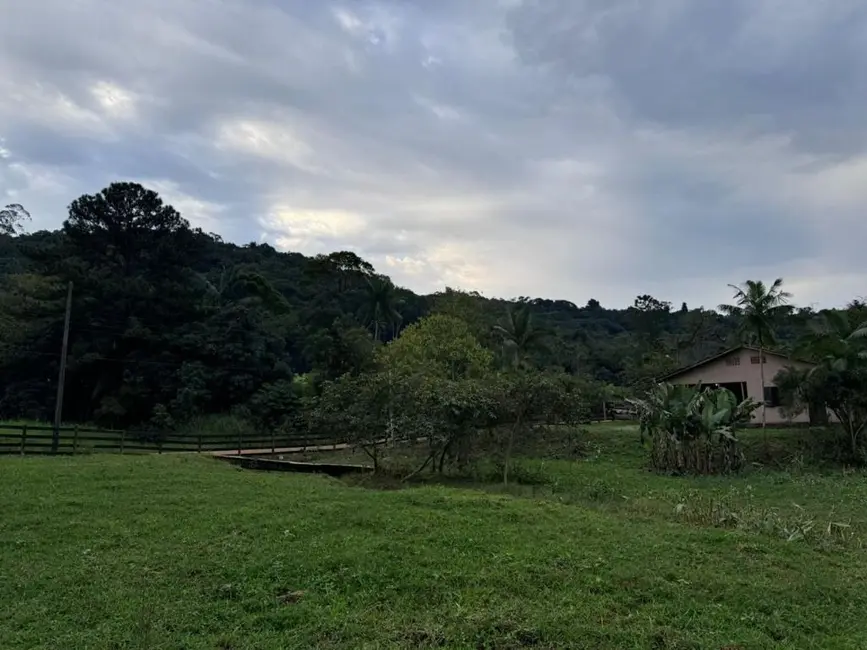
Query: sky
566, 149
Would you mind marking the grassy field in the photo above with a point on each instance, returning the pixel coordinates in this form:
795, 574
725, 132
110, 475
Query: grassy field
188, 552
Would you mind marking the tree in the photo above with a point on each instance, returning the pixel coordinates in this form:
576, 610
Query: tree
349, 268
519, 334
694, 337
128, 226
438, 345
528, 397
447, 369
470, 307
341, 348
838, 342
274, 404
358, 409
758, 309
647, 303
649, 318
12, 219
380, 306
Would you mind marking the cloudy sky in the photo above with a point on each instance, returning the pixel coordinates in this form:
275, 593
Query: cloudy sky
569, 149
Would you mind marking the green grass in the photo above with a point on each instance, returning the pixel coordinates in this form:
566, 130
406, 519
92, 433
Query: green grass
109, 551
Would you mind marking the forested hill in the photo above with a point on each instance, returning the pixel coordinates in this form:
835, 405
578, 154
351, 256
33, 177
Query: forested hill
168, 321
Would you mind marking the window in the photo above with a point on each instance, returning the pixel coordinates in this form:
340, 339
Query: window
733, 361
755, 360
772, 396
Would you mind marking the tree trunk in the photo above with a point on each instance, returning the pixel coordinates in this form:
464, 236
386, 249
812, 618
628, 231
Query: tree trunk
443, 459
509, 447
391, 437
375, 329
418, 471
372, 452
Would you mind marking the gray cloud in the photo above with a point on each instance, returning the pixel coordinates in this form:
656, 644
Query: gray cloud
563, 148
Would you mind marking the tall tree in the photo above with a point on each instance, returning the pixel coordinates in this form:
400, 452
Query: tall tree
348, 268
380, 305
12, 219
519, 333
758, 309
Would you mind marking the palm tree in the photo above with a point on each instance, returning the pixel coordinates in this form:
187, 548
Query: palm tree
380, 305
837, 339
519, 334
758, 307
242, 286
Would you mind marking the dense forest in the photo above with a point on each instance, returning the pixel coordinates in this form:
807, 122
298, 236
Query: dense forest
169, 322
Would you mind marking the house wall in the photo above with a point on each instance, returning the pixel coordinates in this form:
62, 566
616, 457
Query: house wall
724, 370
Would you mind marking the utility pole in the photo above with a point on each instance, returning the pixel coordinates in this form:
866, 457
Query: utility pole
61, 379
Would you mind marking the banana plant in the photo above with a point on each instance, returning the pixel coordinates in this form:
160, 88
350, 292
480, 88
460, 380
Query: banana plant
689, 425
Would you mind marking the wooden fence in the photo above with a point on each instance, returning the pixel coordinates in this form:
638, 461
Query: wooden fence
29, 439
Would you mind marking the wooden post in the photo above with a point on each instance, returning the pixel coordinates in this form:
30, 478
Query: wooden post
159, 444
75, 440
200, 441
273, 441
122, 438
23, 438
239, 441
61, 379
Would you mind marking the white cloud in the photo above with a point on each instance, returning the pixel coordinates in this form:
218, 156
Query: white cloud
37, 103
348, 21
312, 231
200, 213
511, 147
114, 100
273, 141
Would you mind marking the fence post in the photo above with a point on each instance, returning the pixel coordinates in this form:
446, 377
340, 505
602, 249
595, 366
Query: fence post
239, 441
75, 440
273, 440
200, 441
23, 438
122, 438
159, 444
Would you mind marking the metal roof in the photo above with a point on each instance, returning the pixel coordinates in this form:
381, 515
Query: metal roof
725, 353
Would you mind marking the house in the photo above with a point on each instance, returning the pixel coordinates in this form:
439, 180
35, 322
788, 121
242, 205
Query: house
739, 370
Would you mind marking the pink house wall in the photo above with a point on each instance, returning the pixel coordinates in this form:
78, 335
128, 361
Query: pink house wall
737, 367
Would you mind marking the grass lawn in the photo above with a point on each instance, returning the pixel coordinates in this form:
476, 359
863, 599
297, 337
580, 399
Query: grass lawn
181, 551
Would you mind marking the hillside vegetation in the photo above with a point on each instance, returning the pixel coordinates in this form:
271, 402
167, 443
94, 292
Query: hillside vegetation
170, 323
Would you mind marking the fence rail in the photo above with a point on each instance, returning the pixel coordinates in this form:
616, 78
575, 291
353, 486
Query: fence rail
26, 439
